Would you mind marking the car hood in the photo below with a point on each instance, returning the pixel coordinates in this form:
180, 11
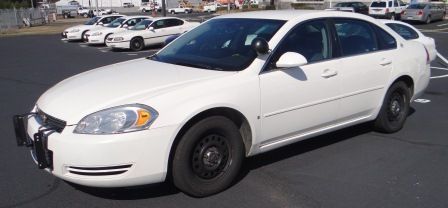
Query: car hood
128, 33
117, 84
81, 27
103, 29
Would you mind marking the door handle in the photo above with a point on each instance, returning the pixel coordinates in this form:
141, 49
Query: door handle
385, 62
329, 73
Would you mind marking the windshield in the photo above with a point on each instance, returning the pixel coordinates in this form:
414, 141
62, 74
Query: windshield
92, 21
142, 25
378, 4
219, 44
116, 22
343, 5
417, 6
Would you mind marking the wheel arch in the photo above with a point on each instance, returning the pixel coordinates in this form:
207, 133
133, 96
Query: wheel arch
407, 80
234, 115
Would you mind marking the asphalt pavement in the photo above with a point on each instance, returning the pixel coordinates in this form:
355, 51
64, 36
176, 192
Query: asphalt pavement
354, 167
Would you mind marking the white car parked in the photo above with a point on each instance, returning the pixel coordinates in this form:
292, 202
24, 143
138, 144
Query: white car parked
180, 9
149, 32
409, 32
235, 86
77, 32
100, 34
388, 9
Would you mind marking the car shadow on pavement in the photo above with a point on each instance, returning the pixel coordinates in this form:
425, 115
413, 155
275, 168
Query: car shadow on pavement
250, 164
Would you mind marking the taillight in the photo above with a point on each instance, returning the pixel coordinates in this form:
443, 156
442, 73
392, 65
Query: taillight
420, 12
427, 55
387, 10
403, 12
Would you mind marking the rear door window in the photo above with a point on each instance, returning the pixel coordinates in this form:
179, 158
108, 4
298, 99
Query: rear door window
355, 37
404, 31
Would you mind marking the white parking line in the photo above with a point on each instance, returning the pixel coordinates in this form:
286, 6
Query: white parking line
132, 54
442, 25
441, 57
102, 48
433, 67
441, 76
82, 46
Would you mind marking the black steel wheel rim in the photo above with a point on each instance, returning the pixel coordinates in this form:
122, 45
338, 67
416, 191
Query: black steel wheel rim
396, 105
136, 44
211, 156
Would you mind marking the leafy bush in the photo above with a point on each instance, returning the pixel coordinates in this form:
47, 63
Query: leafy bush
9, 4
301, 6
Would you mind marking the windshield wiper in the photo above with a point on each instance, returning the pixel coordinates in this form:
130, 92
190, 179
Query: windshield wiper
196, 65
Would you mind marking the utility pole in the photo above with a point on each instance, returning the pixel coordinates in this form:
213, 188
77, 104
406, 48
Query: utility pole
32, 4
164, 8
97, 10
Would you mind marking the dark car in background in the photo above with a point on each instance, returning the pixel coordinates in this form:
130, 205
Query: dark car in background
351, 6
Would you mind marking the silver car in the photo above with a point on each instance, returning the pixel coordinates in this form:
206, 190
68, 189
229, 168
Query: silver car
424, 12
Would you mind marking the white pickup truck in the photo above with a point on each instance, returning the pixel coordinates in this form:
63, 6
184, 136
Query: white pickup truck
211, 7
180, 9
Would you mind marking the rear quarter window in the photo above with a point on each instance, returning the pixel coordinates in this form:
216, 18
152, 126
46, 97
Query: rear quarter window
404, 31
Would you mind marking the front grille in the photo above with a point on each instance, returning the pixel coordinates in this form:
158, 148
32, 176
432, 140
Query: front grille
50, 122
99, 171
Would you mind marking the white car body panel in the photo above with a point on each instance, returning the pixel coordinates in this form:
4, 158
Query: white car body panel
83, 28
105, 31
179, 93
428, 42
150, 37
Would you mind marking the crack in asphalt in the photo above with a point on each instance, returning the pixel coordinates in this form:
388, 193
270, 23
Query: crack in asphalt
410, 142
24, 81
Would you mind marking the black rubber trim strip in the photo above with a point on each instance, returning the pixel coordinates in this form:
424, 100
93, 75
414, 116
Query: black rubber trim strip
101, 168
98, 173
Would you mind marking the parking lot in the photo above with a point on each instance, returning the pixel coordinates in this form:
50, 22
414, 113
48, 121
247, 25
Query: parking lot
354, 167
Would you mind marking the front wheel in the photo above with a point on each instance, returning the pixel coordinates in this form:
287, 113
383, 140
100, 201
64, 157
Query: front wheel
143, 10
137, 44
208, 157
172, 12
392, 16
394, 110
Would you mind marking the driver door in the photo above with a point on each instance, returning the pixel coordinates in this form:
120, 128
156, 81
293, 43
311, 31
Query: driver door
159, 34
299, 101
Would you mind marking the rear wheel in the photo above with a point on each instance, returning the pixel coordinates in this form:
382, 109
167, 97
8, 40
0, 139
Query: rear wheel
172, 12
392, 16
428, 20
394, 110
105, 38
208, 157
137, 44
143, 10
85, 15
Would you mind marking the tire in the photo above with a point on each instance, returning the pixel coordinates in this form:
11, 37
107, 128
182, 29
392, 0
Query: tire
137, 44
105, 38
394, 110
392, 16
85, 15
144, 10
172, 12
186, 12
82, 35
428, 20
208, 157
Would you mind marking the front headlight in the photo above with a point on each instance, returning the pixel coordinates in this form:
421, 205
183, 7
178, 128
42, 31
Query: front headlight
74, 30
121, 119
118, 39
97, 33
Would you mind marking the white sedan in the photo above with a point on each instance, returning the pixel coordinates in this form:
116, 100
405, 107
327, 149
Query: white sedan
100, 34
235, 86
409, 32
149, 32
77, 32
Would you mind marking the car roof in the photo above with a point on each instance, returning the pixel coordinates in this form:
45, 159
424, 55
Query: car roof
294, 15
160, 18
136, 16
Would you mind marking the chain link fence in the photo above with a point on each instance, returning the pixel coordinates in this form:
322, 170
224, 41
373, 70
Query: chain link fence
17, 18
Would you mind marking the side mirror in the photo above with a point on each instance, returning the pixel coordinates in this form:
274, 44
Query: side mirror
291, 59
260, 45
151, 28
100, 23
125, 26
